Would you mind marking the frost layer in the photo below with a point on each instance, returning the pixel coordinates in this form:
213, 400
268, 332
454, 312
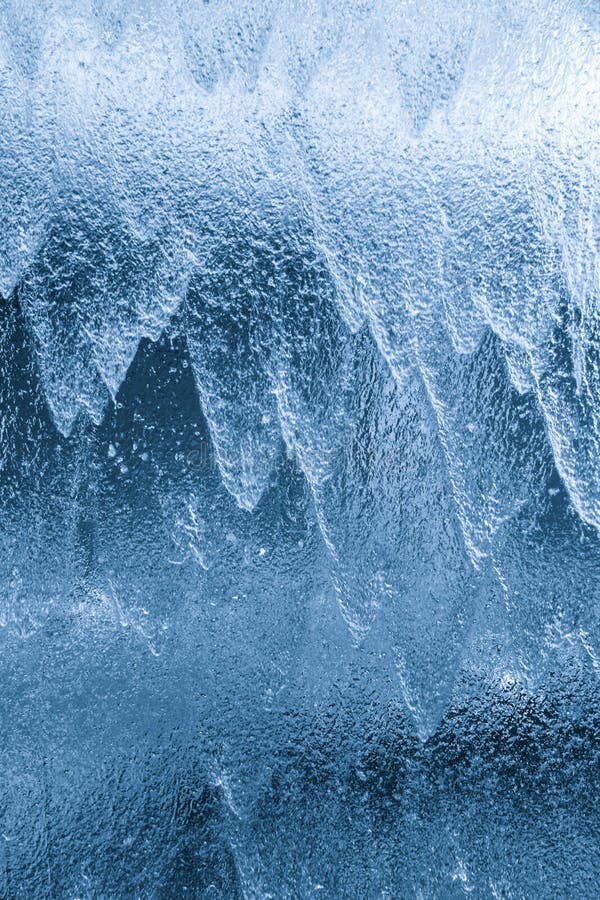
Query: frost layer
300, 393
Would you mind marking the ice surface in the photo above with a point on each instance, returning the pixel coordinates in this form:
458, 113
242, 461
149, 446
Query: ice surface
299, 448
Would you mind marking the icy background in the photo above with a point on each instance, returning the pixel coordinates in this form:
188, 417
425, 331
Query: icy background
299, 449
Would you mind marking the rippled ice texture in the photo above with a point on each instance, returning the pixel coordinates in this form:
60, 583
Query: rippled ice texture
299, 449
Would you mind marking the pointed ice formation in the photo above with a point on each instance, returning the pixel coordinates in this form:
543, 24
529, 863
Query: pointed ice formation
371, 454
376, 226
226, 41
92, 294
228, 321
26, 164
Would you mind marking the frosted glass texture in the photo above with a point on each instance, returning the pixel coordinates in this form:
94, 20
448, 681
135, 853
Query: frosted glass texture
300, 449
